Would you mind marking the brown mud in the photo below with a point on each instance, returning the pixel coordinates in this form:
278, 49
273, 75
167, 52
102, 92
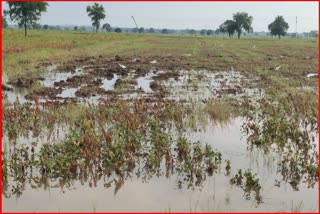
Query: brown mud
122, 76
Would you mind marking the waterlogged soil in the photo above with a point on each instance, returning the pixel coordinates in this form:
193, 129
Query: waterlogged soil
173, 183
87, 79
164, 193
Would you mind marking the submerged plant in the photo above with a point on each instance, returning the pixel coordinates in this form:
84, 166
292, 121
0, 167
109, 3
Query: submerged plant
116, 139
248, 183
287, 125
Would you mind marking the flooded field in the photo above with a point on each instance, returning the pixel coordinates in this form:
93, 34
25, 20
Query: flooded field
68, 83
139, 134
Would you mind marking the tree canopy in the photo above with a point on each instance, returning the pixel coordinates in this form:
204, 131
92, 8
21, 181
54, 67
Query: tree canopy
278, 27
209, 32
4, 22
118, 30
96, 13
242, 22
141, 30
229, 26
192, 32
203, 32
164, 31
107, 27
26, 13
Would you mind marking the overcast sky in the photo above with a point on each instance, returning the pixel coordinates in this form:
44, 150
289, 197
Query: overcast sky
182, 15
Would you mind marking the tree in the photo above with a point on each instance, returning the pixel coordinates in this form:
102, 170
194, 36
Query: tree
83, 28
118, 30
229, 26
192, 32
242, 22
4, 22
135, 30
314, 33
75, 28
45, 27
278, 27
203, 32
107, 27
96, 13
36, 26
209, 32
151, 30
164, 31
141, 30
26, 13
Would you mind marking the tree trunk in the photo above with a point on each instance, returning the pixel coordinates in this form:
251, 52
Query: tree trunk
279, 36
239, 35
25, 28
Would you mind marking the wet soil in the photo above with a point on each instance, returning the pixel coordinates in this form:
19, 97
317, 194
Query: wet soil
25, 82
159, 79
127, 78
6, 88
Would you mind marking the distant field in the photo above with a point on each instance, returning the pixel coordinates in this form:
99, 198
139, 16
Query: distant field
297, 57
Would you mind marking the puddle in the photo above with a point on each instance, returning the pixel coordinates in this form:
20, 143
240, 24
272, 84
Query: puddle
52, 77
171, 85
15, 94
108, 85
158, 193
190, 85
198, 85
69, 92
144, 83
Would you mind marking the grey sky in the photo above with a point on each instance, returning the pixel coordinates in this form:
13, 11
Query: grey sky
182, 15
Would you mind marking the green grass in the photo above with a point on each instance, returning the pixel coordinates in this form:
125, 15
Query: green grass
22, 55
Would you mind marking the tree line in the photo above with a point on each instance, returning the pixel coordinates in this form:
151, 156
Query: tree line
26, 14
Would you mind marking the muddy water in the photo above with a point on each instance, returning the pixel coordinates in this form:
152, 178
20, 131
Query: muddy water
199, 85
51, 78
108, 85
187, 85
69, 92
163, 194
16, 93
144, 83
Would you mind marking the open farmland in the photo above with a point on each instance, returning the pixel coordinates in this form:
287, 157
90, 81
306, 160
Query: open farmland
182, 123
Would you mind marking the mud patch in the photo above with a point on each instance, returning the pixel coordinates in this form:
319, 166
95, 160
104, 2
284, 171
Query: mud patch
92, 77
44, 92
24, 82
6, 88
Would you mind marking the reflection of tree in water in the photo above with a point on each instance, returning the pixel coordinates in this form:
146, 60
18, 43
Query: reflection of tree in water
111, 142
287, 126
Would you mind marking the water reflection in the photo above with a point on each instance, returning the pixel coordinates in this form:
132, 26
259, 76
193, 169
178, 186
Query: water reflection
160, 193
